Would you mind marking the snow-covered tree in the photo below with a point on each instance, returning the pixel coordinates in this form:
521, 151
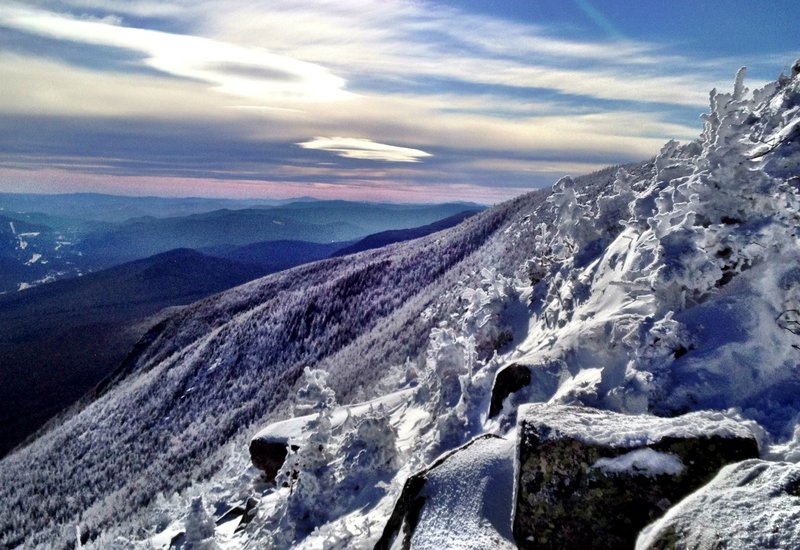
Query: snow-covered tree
199, 527
307, 470
368, 451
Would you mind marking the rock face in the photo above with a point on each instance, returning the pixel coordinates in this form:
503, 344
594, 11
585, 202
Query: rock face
268, 456
752, 504
463, 500
587, 478
508, 380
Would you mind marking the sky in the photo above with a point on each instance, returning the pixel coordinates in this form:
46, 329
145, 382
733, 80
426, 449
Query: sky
380, 100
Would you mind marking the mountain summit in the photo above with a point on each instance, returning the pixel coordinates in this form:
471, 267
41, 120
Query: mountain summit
597, 312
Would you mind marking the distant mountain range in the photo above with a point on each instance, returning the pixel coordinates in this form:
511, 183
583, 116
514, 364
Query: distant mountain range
384, 238
59, 340
50, 237
316, 222
116, 208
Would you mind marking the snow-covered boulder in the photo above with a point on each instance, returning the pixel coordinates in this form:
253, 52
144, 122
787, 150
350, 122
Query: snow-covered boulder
752, 504
270, 446
587, 478
463, 500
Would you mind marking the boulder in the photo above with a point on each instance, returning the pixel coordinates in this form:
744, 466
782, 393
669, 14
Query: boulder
269, 447
586, 478
517, 383
463, 500
751, 504
508, 380
268, 456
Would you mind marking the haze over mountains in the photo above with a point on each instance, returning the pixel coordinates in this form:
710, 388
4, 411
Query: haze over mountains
48, 237
58, 340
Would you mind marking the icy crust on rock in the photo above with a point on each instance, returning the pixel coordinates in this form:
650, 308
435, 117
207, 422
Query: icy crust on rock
468, 499
752, 504
608, 429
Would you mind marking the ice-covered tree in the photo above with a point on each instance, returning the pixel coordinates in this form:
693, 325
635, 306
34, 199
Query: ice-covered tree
574, 226
199, 527
368, 451
307, 470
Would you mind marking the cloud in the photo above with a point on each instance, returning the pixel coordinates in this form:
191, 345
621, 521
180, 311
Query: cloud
247, 72
485, 101
364, 149
413, 42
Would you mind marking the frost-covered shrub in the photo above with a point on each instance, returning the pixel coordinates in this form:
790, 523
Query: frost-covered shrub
307, 470
199, 527
460, 359
315, 396
368, 451
538, 266
482, 319
719, 212
575, 228
615, 209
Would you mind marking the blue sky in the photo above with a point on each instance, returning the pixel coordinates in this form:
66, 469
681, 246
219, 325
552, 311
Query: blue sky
408, 101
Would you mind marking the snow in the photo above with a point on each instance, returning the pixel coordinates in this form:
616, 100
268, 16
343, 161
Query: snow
604, 428
642, 462
294, 429
35, 258
751, 504
468, 499
670, 288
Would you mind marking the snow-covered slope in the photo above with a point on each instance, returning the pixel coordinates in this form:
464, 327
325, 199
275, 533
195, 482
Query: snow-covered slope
200, 383
658, 288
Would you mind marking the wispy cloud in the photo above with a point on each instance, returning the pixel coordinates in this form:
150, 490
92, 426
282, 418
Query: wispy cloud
247, 72
442, 100
364, 149
420, 41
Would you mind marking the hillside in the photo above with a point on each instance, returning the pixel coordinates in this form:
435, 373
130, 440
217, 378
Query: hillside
588, 316
278, 255
385, 238
59, 340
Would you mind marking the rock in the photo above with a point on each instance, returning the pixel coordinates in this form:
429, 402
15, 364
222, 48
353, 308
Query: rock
242, 514
518, 384
268, 456
752, 504
587, 478
507, 381
463, 500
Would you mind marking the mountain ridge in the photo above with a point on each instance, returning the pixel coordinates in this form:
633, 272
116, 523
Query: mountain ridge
661, 287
